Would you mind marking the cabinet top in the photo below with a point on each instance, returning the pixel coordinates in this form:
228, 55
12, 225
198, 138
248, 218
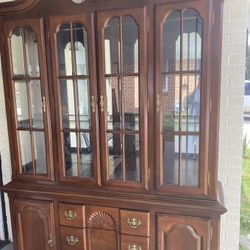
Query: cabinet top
39, 8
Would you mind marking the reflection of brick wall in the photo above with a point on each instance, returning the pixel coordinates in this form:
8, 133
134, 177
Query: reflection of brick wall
171, 85
130, 93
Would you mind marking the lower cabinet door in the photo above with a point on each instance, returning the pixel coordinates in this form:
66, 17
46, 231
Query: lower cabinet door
183, 233
35, 225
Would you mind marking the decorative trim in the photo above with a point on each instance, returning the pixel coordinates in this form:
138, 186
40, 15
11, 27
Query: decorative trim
102, 219
17, 6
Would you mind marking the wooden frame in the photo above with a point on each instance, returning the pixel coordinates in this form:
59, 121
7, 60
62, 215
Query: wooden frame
37, 26
87, 22
139, 16
162, 13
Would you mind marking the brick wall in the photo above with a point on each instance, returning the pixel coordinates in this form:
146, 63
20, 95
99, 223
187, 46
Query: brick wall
231, 122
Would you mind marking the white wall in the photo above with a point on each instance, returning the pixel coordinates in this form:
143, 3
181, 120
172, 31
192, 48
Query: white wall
4, 147
231, 122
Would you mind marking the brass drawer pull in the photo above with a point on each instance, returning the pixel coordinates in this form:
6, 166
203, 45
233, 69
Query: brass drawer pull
134, 223
93, 105
102, 103
134, 247
70, 215
50, 240
72, 240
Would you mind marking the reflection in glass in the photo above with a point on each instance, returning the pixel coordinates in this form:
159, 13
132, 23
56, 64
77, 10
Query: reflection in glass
83, 104
191, 102
113, 103
17, 52
131, 102
81, 49
26, 152
190, 161
30, 41
112, 46
132, 157
130, 45
171, 159
70, 154
115, 156
171, 102
68, 104
86, 155
192, 33
36, 104
22, 105
40, 152
171, 47
64, 50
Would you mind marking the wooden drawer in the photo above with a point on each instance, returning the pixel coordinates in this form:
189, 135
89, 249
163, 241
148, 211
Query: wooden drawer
72, 215
72, 238
129, 242
135, 223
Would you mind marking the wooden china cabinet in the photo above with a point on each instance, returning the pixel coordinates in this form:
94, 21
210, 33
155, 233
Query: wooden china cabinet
113, 109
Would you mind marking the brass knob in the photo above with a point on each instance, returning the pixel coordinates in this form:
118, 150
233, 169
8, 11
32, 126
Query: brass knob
50, 240
70, 215
102, 103
44, 106
72, 240
158, 103
134, 223
134, 247
93, 104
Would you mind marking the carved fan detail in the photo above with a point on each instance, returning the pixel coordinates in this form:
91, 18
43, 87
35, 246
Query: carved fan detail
102, 219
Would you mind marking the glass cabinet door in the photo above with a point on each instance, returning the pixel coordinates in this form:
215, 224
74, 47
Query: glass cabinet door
181, 98
123, 97
29, 88
76, 98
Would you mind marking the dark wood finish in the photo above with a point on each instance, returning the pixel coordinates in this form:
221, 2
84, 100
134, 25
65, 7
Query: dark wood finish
72, 215
87, 21
135, 223
134, 242
162, 12
169, 215
183, 233
103, 18
37, 26
72, 238
35, 225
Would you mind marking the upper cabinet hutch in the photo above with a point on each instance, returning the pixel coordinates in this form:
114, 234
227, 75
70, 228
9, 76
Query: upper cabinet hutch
112, 110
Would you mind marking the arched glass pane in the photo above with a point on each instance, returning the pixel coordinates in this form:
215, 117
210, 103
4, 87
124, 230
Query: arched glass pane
30, 41
130, 46
192, 44
81, 49
17, 52
171, 49
112, 46
64, 50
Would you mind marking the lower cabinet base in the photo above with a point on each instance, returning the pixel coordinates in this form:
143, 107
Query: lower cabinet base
54, 221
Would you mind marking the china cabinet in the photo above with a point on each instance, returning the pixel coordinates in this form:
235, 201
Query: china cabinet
113, 110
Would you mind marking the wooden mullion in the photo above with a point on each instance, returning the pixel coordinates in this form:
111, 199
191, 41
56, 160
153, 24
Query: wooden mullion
177, 72
180, 100
29, 102
121, 74
121, 88
123, 132
73, 77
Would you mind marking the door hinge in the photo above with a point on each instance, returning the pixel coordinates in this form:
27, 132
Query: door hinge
208, 179
211, 233
210, 105
149, 176
213, 18
148, 104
